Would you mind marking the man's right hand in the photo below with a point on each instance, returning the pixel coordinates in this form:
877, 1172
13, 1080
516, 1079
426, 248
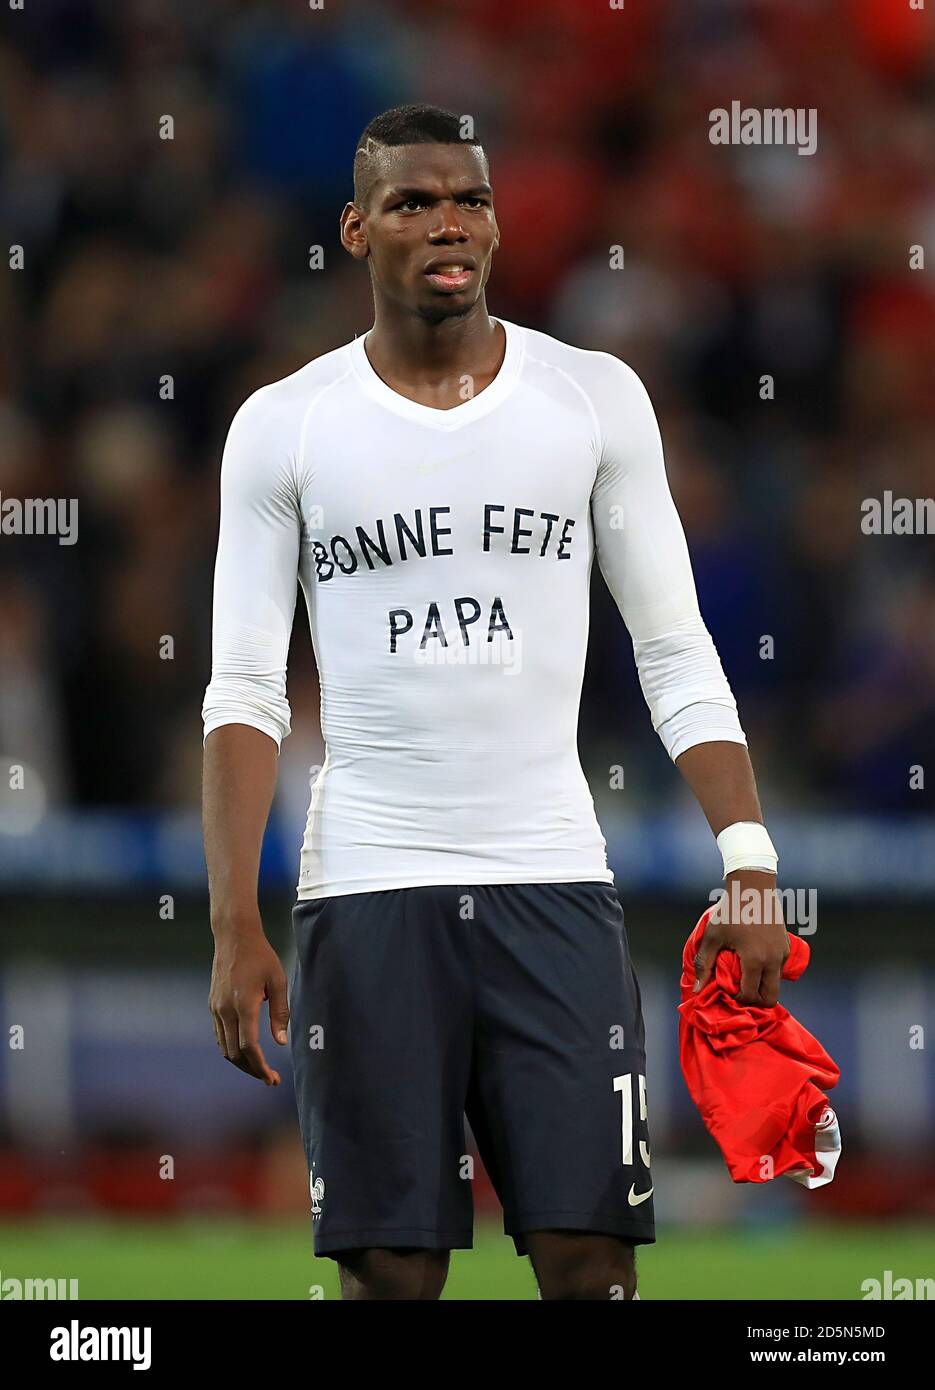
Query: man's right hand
246, 971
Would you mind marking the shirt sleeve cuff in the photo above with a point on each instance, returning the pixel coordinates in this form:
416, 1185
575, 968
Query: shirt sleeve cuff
254, 721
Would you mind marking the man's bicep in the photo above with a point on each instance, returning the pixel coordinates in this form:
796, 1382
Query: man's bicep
638, 535
256, 578
643, 555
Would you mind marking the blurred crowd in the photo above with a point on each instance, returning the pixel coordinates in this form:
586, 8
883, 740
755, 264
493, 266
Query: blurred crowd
164, 279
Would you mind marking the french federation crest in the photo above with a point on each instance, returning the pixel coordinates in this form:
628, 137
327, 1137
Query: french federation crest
316, 1187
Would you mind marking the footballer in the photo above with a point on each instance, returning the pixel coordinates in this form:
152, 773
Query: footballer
438, 489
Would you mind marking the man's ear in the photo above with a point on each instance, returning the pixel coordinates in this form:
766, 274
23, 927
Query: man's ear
353, 235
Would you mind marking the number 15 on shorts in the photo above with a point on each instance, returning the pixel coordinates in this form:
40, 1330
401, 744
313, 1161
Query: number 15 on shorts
624, 1084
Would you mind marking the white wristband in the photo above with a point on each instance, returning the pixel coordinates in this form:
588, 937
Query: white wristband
746, 845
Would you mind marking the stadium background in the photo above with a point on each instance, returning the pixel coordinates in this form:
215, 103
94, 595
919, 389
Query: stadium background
189, 257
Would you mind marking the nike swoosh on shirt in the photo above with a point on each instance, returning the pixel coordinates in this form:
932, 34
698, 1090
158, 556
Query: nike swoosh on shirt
632, 1197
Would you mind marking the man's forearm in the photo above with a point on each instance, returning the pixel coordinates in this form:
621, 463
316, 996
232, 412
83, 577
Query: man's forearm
721, 776
240, 765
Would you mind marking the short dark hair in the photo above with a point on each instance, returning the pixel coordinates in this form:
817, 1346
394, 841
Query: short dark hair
415, 124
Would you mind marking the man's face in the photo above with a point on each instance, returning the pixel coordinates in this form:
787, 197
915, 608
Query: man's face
427, 228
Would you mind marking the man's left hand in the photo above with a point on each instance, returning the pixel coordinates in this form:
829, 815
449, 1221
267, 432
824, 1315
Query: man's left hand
748, 919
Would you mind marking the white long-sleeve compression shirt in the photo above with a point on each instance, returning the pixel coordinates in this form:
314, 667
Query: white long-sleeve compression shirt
445, 558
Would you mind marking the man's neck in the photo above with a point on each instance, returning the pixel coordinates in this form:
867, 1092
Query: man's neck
437, 363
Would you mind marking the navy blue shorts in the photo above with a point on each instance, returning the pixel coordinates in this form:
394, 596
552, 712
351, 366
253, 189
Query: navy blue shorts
513, 1004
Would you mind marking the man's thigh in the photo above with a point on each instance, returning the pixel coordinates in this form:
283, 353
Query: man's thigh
558, 1098
381, 1029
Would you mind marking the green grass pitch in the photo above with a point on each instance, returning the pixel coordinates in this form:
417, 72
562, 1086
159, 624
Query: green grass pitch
248, 1259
